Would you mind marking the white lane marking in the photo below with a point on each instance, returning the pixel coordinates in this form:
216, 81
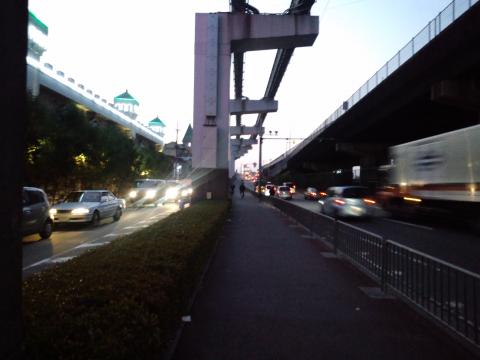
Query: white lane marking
36, 264
61, 260
91, 245
115, 235
135, 227
187, 318
410, 224
108, 235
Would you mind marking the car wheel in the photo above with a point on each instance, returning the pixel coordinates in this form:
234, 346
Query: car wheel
117, 215
46, 230
95, 219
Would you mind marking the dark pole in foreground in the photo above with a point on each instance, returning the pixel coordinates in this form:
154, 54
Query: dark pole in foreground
13, 49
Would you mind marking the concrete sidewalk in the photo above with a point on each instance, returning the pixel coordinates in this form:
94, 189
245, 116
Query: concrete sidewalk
271, 293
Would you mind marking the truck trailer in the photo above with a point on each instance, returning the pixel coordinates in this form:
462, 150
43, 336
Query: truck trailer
438, 176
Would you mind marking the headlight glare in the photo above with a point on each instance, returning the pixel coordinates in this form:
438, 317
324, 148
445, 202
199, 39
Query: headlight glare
132, 194
171, 193
80, 211
52, 212
150, 194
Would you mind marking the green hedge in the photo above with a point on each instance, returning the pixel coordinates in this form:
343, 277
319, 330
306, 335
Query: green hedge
124, 300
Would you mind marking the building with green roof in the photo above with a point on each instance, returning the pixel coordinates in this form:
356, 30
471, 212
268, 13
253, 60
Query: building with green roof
157, 125
126, 104
37, 36
187, 138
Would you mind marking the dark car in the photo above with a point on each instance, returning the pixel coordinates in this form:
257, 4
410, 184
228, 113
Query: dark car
311, 193
36, 215
147, 191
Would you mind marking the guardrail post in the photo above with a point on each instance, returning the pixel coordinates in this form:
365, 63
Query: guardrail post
335, 236
385, 266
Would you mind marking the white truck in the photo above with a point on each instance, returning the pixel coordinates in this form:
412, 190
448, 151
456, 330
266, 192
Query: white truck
436, 175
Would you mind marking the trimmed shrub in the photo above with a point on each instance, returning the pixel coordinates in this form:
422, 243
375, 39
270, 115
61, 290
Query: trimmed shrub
124, 300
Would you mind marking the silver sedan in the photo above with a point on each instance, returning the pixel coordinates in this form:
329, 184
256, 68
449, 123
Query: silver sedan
87, 206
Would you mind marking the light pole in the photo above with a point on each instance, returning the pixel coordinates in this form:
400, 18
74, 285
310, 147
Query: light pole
270, 133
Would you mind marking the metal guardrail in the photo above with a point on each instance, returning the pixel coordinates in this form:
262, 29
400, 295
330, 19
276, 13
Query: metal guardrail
447, 294
445, 18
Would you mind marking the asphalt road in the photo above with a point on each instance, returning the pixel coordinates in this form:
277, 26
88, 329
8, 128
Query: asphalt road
448, 242
70, 241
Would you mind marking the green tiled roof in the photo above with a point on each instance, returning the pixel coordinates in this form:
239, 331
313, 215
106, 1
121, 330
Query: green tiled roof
156, 122
187, 138
37, 23
125, 98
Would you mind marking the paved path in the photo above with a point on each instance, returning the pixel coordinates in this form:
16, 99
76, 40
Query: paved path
271, 294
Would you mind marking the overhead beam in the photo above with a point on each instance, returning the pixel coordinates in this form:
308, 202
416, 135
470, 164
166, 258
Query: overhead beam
246, 130
241, 142
244, 106
267, 31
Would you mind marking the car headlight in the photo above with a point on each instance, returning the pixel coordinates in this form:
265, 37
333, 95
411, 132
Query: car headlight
132, 194
150, 194
171, 193
52, 212
80, 211
186, 192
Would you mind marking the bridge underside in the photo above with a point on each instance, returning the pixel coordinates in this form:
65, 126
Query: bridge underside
435, 91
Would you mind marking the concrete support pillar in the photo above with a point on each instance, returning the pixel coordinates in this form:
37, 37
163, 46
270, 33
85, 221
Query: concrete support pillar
33, 83
216, 36
13, 49
211, 126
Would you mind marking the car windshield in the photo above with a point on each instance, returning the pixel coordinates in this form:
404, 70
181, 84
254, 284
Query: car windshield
83, 196
284, 188
355, 192
147, 183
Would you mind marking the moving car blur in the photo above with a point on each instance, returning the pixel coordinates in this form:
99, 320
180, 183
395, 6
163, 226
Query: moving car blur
87, 206
348, 201
178, 192
147, 191
268, 189
311, 193
36, 216
291, 185
284, 192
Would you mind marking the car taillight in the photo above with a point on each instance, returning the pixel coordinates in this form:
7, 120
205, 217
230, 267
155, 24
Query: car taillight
369, 201
340, 202
323, 193
314, 194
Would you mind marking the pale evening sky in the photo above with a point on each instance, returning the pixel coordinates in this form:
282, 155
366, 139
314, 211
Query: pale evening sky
147, 47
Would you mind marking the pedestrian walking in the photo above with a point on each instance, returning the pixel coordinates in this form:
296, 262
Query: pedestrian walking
242, 190
232, 189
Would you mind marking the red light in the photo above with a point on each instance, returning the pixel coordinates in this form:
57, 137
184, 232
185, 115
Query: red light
340, 202
323, 193
369, 201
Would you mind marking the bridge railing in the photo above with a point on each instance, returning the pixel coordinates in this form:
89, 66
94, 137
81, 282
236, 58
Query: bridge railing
445, 18
447, 294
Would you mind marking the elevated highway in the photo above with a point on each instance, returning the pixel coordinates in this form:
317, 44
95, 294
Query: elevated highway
43, 78
432, 85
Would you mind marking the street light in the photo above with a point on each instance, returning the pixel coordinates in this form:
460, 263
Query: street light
271, 133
